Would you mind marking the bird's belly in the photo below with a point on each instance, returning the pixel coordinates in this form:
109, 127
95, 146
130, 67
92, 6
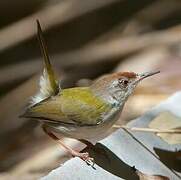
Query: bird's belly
91, 132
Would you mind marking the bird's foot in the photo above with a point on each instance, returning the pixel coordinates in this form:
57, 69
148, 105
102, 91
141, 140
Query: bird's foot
84, 156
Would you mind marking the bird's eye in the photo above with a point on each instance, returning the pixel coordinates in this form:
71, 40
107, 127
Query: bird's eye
123, 82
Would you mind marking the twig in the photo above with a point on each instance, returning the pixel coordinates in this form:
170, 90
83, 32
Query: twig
176, 131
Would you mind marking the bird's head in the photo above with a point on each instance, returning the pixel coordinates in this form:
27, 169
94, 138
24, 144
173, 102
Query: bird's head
119, 86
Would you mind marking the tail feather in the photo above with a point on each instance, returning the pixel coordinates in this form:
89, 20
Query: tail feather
48, 84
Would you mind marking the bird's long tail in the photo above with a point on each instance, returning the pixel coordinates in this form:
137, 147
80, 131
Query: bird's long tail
49, 86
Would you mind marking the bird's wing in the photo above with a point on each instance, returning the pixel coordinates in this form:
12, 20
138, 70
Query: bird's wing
83, 107
49, 86
73, 106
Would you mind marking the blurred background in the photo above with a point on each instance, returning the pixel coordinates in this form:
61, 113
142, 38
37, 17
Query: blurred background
85, 39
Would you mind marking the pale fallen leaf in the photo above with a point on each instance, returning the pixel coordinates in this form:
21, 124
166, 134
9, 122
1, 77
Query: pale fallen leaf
171, 138
143, 176
167, 120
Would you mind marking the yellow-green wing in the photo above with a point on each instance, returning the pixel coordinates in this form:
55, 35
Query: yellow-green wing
81, 106
74, 105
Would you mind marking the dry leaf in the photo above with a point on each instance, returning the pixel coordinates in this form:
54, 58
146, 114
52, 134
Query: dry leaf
171, 138
167, 120
143, 176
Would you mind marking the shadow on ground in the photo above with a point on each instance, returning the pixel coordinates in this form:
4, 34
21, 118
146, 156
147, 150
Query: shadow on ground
106, 159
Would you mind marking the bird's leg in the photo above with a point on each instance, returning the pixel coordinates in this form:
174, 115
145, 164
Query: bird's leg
84, 156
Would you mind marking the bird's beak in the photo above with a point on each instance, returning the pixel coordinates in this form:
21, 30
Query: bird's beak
142, 76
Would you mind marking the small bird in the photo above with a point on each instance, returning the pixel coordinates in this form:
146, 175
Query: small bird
82, 113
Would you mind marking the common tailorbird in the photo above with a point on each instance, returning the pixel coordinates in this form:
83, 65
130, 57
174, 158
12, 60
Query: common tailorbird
81, 113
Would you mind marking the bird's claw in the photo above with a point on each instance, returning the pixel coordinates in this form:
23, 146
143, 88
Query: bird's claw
85, 157
89, 160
